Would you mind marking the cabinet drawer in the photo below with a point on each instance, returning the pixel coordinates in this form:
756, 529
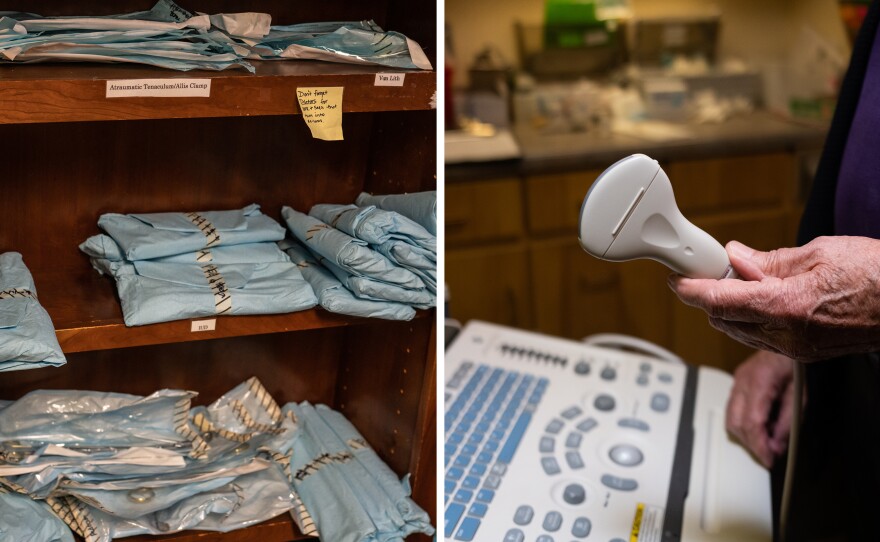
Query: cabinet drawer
723, 184
483, 211
554, 201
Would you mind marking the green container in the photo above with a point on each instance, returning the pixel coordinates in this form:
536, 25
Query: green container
569, 12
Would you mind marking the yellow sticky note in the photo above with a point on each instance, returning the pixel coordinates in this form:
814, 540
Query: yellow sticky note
322, 110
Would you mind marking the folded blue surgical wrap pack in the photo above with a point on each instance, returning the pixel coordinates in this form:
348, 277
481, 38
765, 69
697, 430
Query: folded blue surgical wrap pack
418, 206
27, 336
335, 296
145, 236
347, 252
173, 266
151, 292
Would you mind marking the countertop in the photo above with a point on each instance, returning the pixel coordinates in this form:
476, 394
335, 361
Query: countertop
552, 153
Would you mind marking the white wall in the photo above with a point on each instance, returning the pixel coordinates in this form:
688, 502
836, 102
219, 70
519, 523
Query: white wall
754, 30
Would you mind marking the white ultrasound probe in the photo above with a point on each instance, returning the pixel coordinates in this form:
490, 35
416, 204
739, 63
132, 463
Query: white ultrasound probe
630, 213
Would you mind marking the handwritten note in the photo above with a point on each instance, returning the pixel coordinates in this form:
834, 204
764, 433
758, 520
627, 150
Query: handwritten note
322, 110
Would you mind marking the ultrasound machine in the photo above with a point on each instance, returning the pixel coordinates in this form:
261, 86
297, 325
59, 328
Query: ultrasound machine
555, 440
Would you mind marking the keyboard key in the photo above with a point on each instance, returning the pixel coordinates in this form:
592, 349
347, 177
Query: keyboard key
514, 535
552, 521
464, 496
450, 449
462, 461
633, 423
478, 469
455, 438
574, 460
547, 444
453, 514
581, 527
476, 438
455, 473
484, 457
573, 440
587, 425
642, 380
622, 484
485, 495
449, 485
492, 482
478, 509
515, 437
470, 482
491, 446
608, 373
555, 426
468, 529
582, 368
468, 449
523, 515
666, 378
544, 538
572, 413
660, 402
604, 403
550, 465
499, 469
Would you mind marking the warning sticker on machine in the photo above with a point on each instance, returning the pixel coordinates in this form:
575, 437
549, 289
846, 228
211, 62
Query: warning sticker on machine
648, 524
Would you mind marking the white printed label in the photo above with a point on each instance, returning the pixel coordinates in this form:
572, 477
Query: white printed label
204, 325
159, 88
389, 79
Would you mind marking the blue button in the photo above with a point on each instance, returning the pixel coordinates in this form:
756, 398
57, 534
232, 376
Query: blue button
450, 449
485, 495
449, 485
455, 473
464, 496
478, 509
478, 469
453, 515
468, 529
484, 457
462, 461
491, 446
468, 449
470, 482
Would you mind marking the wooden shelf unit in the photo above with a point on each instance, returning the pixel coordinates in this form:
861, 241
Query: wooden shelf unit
72, 155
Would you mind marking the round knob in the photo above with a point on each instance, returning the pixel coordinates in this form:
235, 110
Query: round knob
574, 494
626, 455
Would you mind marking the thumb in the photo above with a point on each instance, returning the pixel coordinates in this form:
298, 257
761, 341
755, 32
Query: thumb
745, 261
753, 264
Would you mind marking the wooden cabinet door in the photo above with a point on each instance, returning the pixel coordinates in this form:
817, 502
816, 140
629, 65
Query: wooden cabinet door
575, 294
489, 283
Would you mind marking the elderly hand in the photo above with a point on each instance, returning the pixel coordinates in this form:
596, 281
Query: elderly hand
760, 383
812, 302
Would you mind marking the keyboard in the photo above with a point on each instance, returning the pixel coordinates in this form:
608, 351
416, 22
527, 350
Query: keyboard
549, 439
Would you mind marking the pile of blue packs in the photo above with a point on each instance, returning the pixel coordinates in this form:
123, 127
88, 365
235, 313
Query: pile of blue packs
114, 465
171, 266
364, 260
27, 336
169, 36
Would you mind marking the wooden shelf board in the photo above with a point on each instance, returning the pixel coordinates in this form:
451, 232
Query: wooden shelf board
38, 93
87, 316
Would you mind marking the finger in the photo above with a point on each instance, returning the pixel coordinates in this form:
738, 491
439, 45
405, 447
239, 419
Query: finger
744, 301
741, 259
746, 420
749, 334
780, 263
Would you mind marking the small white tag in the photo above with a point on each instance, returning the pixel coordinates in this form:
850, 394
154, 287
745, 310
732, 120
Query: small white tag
204, 325
389, 79
159, 88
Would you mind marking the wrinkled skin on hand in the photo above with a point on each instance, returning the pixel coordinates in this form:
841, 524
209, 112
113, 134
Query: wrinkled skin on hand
761, 382
813, 302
